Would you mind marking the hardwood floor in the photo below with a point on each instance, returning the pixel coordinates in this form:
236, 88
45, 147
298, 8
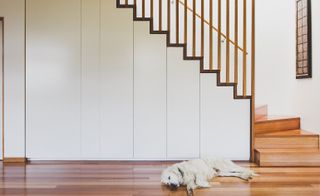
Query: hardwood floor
142, 178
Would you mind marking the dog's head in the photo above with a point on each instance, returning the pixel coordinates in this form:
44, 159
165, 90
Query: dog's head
172, 176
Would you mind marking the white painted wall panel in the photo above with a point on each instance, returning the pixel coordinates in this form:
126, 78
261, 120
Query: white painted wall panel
225, 122
90, 79
14, 95
149, 93
117, 81
183, 105
53, 78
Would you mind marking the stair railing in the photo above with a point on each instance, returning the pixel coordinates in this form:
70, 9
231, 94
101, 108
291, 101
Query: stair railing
219, 31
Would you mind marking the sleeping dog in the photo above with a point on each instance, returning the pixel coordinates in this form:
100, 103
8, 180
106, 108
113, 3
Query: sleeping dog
197, 173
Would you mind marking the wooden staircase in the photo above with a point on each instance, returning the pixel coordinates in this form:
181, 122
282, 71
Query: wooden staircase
279, 141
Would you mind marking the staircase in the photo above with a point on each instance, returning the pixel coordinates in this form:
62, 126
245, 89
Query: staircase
206, 32
279, 141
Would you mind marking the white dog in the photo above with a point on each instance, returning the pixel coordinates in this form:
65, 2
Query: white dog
197, 173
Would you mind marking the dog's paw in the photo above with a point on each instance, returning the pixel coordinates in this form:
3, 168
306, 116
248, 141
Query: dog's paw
190, 188
204, 184
247, 175
190, 192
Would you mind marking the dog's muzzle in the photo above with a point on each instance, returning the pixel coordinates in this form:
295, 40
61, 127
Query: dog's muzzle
173, 186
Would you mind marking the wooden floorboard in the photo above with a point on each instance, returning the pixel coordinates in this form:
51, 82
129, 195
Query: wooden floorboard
143, 178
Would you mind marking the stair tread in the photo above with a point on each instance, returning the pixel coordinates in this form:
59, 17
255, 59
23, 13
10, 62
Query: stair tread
275, 118
295, 150
287, 133
258, 106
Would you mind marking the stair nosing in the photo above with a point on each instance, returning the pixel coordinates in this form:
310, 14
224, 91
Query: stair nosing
273, 134
276, 119
289, 151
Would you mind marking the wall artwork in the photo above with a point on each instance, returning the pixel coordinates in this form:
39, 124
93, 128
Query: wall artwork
304, 40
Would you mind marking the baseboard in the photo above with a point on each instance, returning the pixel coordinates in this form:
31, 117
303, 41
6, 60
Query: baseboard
14, 160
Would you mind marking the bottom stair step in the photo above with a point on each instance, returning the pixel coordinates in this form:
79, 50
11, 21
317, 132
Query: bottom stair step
287, 157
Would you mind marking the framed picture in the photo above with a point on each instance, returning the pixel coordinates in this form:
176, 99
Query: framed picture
304, 39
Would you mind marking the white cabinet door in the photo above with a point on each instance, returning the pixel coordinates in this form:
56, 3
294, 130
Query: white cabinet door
53, 79
183, 106
90, 79
116, 81
149, 93
225, 122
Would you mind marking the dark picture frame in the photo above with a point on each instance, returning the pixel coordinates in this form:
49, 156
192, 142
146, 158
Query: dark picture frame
303, 39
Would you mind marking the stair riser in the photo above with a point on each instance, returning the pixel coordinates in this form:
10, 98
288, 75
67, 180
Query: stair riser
287, 142
277, 125
289, 160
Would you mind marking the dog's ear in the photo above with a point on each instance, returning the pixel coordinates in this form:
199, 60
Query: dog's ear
178, 172
181, 172
175, 170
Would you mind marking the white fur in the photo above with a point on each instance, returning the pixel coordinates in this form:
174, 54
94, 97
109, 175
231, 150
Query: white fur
197, 173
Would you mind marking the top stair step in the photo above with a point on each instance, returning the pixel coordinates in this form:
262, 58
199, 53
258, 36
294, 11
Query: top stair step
272, 124
261, 112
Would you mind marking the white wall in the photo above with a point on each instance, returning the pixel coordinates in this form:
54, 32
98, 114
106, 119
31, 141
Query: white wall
307, 91
275, 55
14, 68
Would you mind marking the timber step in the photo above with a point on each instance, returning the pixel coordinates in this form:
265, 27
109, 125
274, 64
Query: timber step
289, 139
272, 124
287, 157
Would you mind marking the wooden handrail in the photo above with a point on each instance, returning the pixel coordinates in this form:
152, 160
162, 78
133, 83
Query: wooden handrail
213, 27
